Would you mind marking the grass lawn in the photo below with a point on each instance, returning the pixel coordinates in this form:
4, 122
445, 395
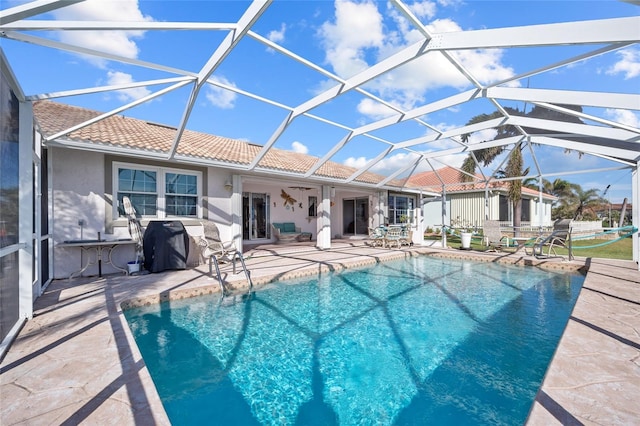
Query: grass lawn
619, 250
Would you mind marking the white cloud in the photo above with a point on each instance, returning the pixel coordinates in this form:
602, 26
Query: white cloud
357, 27
629, 64
115, 42
299, 147
220, 97
423, 9
358, 37
277, 36
623, 116
374, 109
116, 78
357, 162
386, 166
395, 162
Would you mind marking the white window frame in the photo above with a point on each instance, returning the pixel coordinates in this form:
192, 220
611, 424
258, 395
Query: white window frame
410, 211
160, 187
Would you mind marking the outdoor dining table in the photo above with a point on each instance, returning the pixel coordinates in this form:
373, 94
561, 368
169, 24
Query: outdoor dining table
103, 253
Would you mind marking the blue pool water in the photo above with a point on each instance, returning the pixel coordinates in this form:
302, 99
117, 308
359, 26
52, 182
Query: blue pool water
411, 342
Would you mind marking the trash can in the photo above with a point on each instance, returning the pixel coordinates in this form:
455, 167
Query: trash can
165, 245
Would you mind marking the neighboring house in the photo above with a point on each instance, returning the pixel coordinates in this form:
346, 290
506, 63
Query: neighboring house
472, 203
93, 167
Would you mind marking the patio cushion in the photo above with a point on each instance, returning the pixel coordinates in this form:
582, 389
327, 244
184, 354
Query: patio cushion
288, 227
280, 226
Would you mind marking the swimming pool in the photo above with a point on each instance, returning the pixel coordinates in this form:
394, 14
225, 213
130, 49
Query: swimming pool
416, 341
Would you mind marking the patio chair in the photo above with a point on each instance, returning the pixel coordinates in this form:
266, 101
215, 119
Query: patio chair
493, 237
559, 237
406, 239
376, 237
135, 229
213, 248
393, 236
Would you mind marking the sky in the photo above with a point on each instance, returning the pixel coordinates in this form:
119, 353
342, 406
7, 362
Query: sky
344, 38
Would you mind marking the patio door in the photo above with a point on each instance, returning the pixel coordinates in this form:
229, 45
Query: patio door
255, 216
355, 216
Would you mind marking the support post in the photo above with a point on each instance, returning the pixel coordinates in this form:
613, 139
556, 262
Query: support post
635, 210
324, 229
236, 210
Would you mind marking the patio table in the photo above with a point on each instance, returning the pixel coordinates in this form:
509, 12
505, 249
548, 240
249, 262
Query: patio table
103, 252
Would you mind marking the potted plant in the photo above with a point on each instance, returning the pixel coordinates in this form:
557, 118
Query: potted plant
466, 231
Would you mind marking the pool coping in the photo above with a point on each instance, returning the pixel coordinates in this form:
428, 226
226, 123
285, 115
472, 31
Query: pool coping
239, 284
54, 374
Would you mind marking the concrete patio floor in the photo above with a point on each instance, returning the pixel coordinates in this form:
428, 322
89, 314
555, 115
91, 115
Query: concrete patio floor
77, 362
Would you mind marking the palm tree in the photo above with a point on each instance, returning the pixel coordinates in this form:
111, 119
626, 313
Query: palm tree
514, 166
486, 156
585, 200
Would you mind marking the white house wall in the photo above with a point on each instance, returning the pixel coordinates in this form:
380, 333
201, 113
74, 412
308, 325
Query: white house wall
81, 188
217, 201
432, 212
77, 184
79, 191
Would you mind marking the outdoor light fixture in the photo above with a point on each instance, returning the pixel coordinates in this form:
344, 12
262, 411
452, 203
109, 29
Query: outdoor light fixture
228, 185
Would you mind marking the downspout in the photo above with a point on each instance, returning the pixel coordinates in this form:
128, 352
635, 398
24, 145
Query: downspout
486, 201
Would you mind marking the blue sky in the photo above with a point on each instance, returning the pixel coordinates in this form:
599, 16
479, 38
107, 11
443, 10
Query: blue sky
343, 38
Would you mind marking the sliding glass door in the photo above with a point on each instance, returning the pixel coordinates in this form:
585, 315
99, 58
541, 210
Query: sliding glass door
255, 216
355, 216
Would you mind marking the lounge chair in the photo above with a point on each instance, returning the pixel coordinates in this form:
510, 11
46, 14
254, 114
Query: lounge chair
376, 237
560, 237
215, 250
493, 237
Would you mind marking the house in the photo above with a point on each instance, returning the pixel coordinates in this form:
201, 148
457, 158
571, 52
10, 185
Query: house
473, 202
93, 167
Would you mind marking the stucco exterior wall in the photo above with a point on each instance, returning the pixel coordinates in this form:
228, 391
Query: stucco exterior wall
77, 183
82, 184
81, 188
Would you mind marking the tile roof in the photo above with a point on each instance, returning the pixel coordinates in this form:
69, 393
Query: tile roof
451, 178
127, 132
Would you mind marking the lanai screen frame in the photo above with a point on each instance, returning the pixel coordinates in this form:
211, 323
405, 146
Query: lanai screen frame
603, 138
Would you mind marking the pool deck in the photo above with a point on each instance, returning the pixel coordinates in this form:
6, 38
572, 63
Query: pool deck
76, 361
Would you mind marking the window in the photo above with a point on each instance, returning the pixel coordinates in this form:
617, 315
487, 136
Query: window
182, 194
313, 206
157, 192
504, 208
401, 209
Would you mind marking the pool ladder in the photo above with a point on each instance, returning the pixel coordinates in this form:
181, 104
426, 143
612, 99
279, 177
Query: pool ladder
214, 260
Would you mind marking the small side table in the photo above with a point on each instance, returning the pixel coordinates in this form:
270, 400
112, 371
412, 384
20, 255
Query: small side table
305, 236
520, 241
